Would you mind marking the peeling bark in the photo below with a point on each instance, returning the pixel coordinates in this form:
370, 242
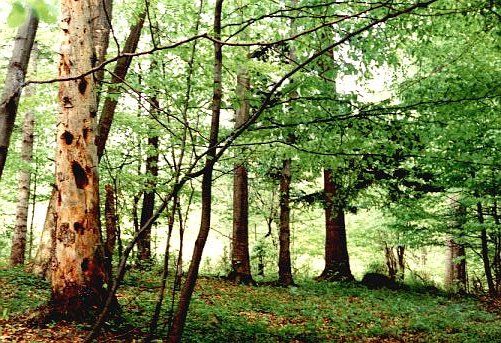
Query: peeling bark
78, 266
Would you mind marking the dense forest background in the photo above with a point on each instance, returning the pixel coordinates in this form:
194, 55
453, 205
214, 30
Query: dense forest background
267, 143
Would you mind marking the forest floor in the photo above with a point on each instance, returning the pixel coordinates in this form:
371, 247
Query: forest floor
222, 312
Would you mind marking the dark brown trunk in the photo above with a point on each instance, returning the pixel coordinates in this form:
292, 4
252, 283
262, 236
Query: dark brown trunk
240, 259
111, 227
401, 262
179, 319
16, 72
485, 251
337, 262
148, 206
114, 90
284, 254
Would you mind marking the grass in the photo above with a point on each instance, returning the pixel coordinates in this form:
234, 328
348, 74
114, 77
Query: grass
312, 312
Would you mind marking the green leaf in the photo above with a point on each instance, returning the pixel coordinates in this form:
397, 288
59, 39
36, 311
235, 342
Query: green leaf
44, 11
17, 15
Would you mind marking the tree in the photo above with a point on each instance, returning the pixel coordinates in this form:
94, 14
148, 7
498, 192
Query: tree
78, 268
14, 82
19, 237
337, 263
240, 258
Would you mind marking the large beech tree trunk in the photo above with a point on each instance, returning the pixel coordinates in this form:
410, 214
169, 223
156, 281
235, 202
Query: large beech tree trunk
42, 259
240, 260
19, 237
337, 263
284, 254
14, 80
78, 268
179, 319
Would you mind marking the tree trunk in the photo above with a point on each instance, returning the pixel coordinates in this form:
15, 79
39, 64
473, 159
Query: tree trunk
485, 251
179, 319
240, 259
114, 89
455, 272
101, 24
148, 207
19, 237
401, 262
284, 255
41, 263
78, 268
111, 227
14, 80
107, 113
337, 262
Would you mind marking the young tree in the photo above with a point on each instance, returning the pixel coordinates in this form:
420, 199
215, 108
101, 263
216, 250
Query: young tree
78, 269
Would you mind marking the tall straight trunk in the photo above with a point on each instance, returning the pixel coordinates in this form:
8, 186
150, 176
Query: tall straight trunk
179, 319
240, 259
16, 72
78, 269
148, 206
485, 251
19, 238
111, 227
284, 255
337, 263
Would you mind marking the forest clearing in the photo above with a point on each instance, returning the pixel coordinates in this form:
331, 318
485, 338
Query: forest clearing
250, 171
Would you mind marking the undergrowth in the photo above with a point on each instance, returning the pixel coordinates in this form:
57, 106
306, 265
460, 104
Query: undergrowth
312, 312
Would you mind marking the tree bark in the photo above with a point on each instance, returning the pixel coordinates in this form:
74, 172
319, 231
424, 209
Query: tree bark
118, 76
148, 206
337, 262
14, 80
240, 258
111, 227
105, 120
101, 24
401, 262
19, 238
284, 255
78, 268
485, 251
179, 319
455, 272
